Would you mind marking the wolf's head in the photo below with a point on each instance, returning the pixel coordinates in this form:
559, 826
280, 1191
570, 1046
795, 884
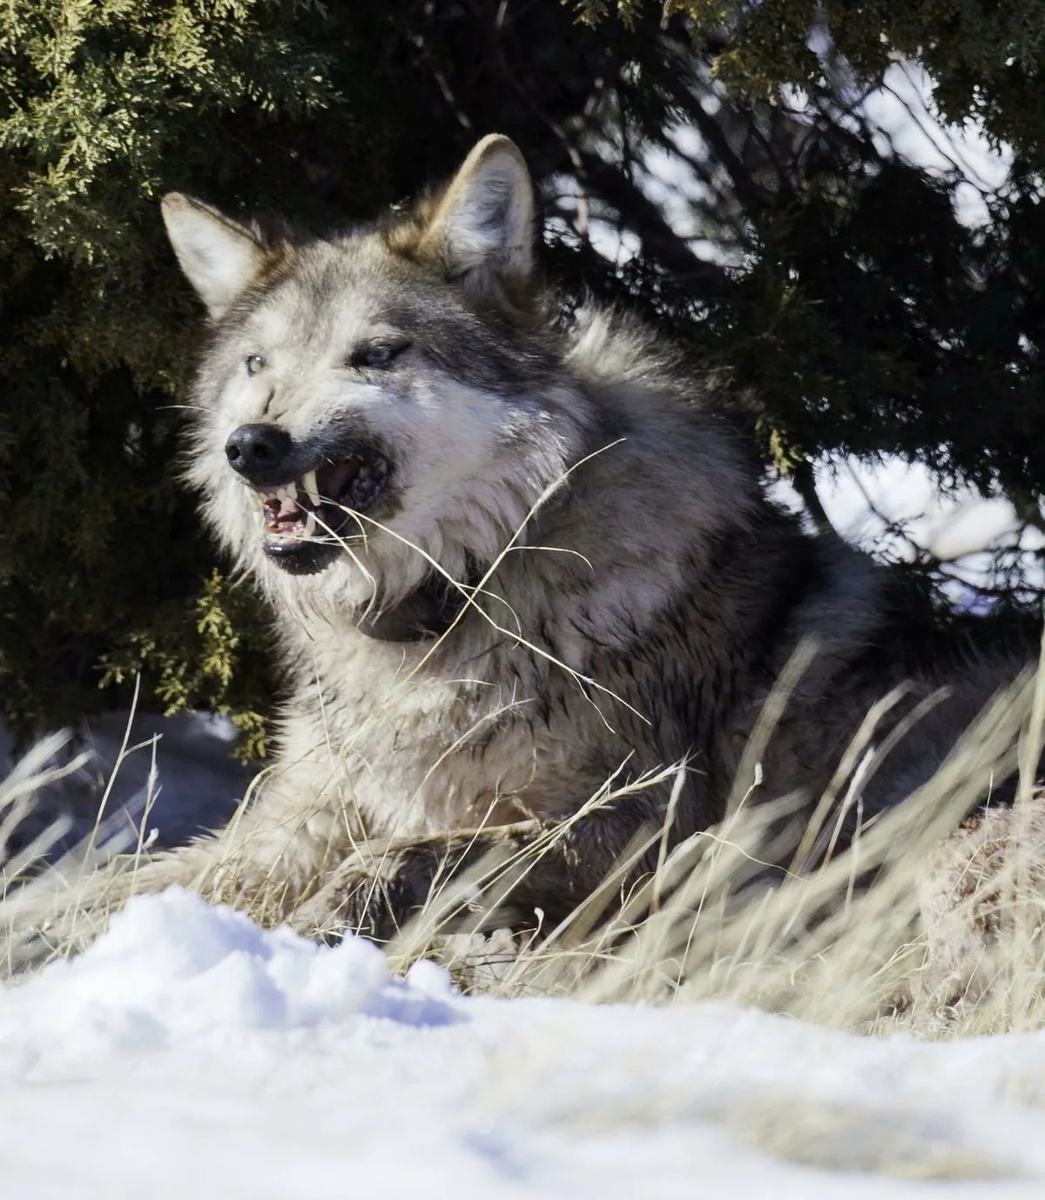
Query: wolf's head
384, 401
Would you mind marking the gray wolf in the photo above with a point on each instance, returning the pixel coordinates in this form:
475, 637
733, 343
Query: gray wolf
508, 561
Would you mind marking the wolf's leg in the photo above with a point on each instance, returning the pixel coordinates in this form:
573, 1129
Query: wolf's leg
512, 872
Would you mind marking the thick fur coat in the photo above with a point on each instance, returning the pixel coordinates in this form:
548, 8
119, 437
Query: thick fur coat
508, 563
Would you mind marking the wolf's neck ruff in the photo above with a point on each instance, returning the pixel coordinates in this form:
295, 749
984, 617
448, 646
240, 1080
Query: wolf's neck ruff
424, 615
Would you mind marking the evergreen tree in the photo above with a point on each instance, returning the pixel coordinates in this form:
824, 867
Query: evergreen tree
775, 231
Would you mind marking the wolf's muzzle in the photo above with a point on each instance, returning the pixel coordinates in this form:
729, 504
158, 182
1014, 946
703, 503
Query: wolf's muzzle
309, 504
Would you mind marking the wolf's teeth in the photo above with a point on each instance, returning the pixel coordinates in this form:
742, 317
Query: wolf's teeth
287, 492
308, 482
310, 525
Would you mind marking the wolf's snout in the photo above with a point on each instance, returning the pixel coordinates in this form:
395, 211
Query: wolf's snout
258, 451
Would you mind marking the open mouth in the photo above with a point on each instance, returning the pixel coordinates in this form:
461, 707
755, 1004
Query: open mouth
319, 507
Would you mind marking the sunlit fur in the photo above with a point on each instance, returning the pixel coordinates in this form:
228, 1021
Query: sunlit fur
639, 594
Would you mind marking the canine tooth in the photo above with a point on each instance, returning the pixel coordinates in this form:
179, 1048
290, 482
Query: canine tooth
308, 482
310, 525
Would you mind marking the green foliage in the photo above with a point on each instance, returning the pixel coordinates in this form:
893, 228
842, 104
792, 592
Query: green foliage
104, 104
987, 58
200, 661
843, 291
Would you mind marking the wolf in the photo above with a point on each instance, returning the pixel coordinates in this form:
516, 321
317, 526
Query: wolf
510, 558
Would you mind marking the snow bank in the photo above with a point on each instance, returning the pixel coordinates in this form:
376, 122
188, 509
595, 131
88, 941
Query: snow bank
174, 971
189, 1053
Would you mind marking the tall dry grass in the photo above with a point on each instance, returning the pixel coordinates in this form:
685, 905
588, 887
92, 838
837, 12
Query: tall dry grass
929, 921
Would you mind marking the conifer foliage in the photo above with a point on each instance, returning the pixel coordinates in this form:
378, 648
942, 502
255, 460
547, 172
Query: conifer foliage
806, 260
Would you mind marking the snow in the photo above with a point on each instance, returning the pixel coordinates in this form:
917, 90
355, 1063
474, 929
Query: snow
190, 1053
895, 510
904, 113
161, 778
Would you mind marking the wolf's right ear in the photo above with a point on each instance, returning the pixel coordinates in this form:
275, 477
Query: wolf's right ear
219, 256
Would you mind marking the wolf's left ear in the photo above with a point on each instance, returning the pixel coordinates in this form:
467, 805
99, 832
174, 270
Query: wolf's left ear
219, 256
482, 229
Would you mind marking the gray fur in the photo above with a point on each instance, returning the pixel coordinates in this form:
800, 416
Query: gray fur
639, 596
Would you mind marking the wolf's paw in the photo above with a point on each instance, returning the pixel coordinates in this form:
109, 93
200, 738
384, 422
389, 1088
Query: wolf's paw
456, 880
339, 907
374, 903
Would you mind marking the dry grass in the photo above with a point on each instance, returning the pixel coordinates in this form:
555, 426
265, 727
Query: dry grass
926, 923
929, 922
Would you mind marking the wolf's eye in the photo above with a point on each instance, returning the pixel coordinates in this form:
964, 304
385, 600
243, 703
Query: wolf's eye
377, 354
254, 363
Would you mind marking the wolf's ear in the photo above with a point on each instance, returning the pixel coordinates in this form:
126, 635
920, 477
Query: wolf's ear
482, 229
219, 257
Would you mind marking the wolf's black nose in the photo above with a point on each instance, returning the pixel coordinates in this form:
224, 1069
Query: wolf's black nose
257, 451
